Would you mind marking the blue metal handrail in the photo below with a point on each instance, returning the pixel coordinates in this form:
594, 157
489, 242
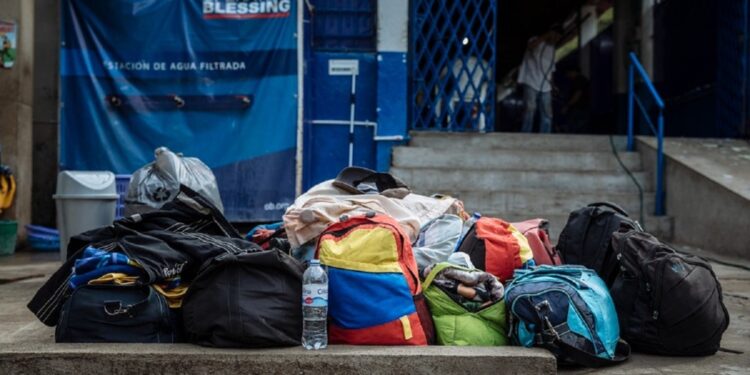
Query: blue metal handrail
635, 66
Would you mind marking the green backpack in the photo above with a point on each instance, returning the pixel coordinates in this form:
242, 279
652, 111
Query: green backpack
457, 325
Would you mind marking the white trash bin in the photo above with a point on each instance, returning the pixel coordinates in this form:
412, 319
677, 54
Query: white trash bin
85, 200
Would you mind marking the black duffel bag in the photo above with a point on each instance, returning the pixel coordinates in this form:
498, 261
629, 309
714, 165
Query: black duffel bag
117, 313
246, 299
667, 303
586, 238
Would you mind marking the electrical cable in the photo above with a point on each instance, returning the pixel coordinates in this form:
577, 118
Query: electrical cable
632, 177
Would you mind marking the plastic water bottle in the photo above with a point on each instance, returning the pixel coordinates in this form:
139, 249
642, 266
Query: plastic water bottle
314, 307
467, 226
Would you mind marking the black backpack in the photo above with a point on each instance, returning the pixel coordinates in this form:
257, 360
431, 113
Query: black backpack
667, 303
587, 236
117, 313
245, 299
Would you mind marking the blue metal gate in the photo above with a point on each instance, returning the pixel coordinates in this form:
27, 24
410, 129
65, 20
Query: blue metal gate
732, 75
452, 65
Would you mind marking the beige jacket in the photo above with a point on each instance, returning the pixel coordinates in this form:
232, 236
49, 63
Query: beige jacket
313, 211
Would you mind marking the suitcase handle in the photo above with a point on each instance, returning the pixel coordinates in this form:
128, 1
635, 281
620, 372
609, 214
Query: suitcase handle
611, 205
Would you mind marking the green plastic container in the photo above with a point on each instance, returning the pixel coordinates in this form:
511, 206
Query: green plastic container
8, 230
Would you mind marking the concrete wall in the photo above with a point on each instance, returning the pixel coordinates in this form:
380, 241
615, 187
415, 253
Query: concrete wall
46, 93
706, 214
16, 109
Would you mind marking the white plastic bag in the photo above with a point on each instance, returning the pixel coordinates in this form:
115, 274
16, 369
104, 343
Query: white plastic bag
159, 181
437, 240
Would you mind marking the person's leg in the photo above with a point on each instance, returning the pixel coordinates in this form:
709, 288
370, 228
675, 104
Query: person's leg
529, 99
545, 123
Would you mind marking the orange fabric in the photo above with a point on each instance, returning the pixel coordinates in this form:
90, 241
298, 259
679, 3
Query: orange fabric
502, 251
391, 333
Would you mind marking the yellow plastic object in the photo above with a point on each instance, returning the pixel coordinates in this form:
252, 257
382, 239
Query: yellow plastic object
7, 191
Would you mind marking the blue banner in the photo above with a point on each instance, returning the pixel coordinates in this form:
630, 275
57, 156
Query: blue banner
213, 79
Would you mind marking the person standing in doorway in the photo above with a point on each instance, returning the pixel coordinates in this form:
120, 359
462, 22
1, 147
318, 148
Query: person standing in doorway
535, 77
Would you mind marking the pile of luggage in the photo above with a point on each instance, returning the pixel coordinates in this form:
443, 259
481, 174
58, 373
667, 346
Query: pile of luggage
403, 269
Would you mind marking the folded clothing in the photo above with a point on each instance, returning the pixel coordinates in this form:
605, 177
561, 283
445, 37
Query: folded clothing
473, 289
114, 278
171, 289
325, 204
95, 263
173, 292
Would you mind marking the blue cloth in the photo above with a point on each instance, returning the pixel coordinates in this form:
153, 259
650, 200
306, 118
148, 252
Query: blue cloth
95, 262
94, 258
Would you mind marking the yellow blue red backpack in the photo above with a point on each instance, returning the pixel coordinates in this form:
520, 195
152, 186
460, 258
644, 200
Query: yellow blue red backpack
374, 292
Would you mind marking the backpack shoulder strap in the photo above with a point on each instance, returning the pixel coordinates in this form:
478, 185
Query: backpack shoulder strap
622, 353
560, 339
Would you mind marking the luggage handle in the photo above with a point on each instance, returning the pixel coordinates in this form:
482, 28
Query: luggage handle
611, 205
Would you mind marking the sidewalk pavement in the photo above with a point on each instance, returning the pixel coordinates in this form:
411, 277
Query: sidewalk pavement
27, 346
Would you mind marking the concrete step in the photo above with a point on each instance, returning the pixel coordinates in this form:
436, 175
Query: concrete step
443, 180
561, 202
468, 142
336, 359
499, 159
659, 226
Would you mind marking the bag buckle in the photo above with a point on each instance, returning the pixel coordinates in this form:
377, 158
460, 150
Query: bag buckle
114, 308
545, 306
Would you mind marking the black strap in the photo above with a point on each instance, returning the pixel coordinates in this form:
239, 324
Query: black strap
622, 353
558, 339
611, 205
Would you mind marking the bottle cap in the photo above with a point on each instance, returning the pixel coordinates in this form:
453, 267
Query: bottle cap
314, 261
